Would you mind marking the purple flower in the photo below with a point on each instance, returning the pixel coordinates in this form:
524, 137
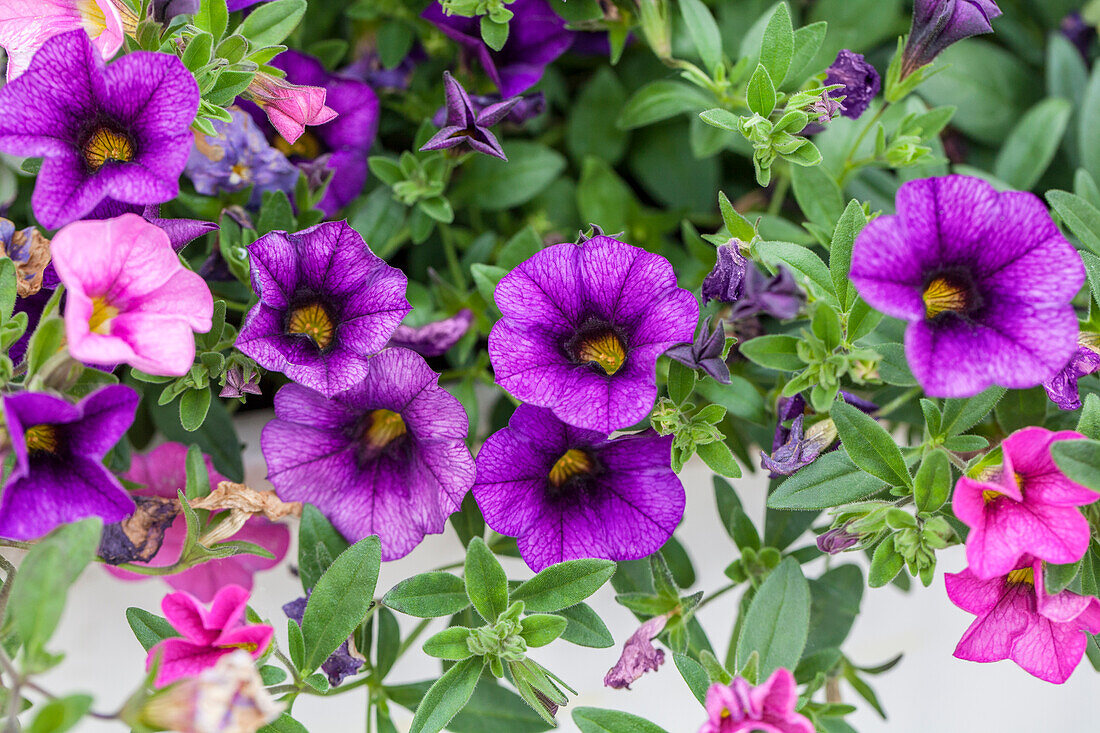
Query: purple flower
825, 107
165, 10
566, 493
861, 82
327, 303
181, 232
527, 107
465, 124
341, 663
741, 708
1078, 32
1062, 387
59, 475
705, 352
838, 539
435, 338
726, 282
778, 296
536, 36
582, 328
939, 23
1018, 620
791, 447
119, 131
984, 278
236, 386
386, 457
239, 157
639, 655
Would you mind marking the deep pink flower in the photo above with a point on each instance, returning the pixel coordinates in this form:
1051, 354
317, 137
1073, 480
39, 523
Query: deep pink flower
1029, 507
163, 471
26, 24
129, 298
769, 707
207, 635
1017, 620
290, 107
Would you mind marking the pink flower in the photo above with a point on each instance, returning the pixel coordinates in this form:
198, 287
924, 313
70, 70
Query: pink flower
26, 24
1017, 620
207, 636
1029, 507
164, 470
639, 655
129, 298
290, 107
768, 707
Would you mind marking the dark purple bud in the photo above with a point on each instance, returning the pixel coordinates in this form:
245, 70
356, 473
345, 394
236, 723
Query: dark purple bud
237, 386
165, 10
341, 663
639, 655
1062, 387
800, 449
467, 125
778, 296
939, 23
705, 352
726, 281
859, 403
1078, 32
837, 540
138, 537
861, 83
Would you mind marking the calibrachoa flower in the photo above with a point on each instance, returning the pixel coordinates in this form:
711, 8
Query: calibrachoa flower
741, 708
163, 472
985, 280
435, 338
791, 447
527, 107
939, 23
118, 131
582, 328
536, 36
181, 232
129, 298
26, 24
777, 296
726, 282
1028, 507
341, 663
386, 457
165, 10
326, 304
467, 125
289, 107
59, 476
639, 655
861, 82
1062, 387
566, 493
705, 352
207, 635
1018, 620
238, 157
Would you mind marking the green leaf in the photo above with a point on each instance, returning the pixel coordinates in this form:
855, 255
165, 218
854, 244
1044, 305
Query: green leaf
778, 620
840, 253
450, 643
777, 44
493, 33
807, 42
1078, 459
869, 445
886, 563
60, 714
1031, 145
803, 261
486, 583
340, 601
829, 481
719, 458
198, 478
738, 226
447, 696
428, 595
932, 485
681, 381
776, 351
704, 32
1022, 407
40, 588
276, 213
585, 628
1089, 423
149, 628
590, 129
660, 100
737, 523
598, 720
212, 17
694, 675
818, 195
194, 404
495, 185
491, 709
760, 93
269, 24
44, 343
1092, 268
893, 368
318, 545
721, 118
563, 585
1079, 215
836, 597
959, 415
284, 724
1087, 122
540, 629
198, 51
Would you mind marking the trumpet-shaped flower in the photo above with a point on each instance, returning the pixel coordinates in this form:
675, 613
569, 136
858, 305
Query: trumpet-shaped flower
290, 107
741, 708
26, 24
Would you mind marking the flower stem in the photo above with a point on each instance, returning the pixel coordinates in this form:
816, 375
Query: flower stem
849, 164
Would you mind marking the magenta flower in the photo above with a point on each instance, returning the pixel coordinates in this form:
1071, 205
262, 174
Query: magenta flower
207, 635
566, 493
327, 303
163, 472
1018, 620
26, 24
466, 125
984, 279
582, 328
129, 298
386, 457
120, 131
59, 476
289, 107
1028, 508
769, 707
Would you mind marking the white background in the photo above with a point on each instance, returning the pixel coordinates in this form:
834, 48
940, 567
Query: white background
929, 691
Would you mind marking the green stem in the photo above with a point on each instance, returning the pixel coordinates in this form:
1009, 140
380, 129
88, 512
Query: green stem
453, 264
9, 576
716, 594
894, 404
409, 640
849, 165
782, 185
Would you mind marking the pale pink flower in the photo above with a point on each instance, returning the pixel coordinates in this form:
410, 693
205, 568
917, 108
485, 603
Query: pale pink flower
129, 298
1027, 507
741, 708
290, 107
1017, 620
26, 24
639, 655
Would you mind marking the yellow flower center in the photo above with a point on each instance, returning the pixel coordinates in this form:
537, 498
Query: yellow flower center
240, 173
386, 426
312, 321
989, 494
248, 646
41, 439
572, 463
102, 313
307, 146
605, 349
105, 145
1021, 576
943, 295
